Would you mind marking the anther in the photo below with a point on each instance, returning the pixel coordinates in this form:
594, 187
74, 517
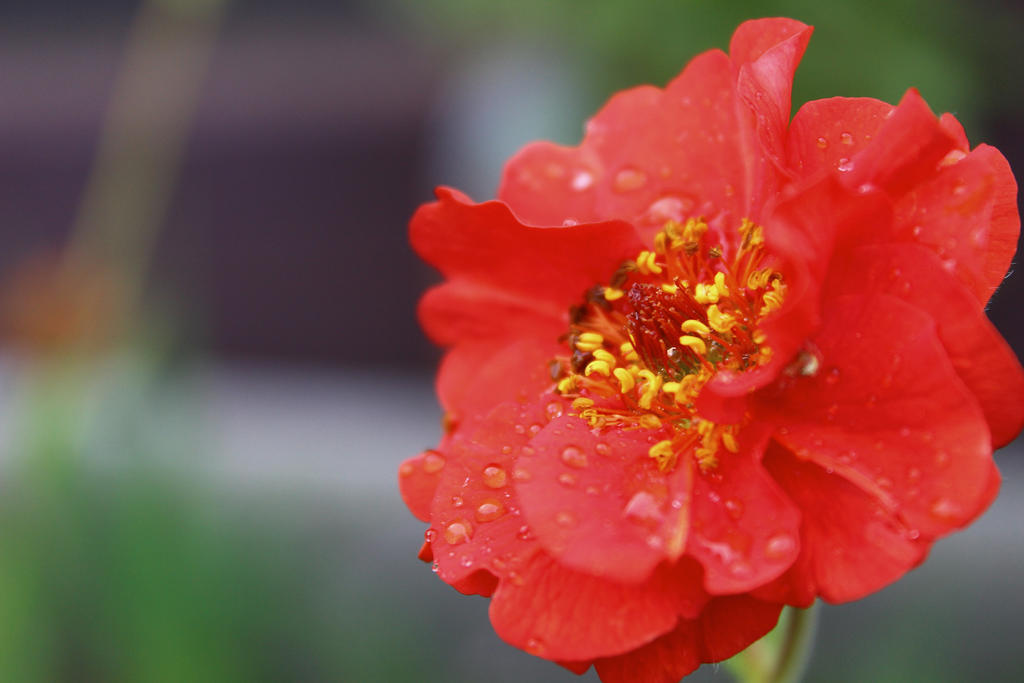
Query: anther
695, 343
599, 366
697, 326
626, 380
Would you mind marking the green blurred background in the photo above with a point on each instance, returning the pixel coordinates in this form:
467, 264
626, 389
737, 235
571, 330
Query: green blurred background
210, 367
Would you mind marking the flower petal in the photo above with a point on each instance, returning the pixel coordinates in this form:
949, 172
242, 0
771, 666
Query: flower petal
967, 214
599, 504
904, 152
725, 627
476, 376
651, 155
982, 359
475, 516
561, 614
501, 272
744, 530
417, 479
886, 411
827, 134
855, 548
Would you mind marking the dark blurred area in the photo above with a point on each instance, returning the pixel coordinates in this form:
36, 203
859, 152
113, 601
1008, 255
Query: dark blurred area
211, 365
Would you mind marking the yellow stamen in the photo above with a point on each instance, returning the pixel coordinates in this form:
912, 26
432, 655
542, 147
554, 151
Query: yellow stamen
598, 366
663, 453
613, 294
626, 380
589, 341
582, 402
719, 321
695, 343
697, 326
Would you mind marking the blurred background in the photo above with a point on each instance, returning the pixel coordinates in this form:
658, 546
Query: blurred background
210, 367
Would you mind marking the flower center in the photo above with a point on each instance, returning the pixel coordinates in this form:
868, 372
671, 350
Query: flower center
642, 347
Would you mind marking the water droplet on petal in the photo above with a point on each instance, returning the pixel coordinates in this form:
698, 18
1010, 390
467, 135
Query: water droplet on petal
734, 508
458, 532
845, 165
534, 429
466, 561
433, 462
582, 180
779, 547
946, 510
741, 569
574, 457
569, 222
554, 409
629, 179
524, 533
521, 474
567, 479
668, 209
406, 469
603, 449
494, 476
822, 143
846, 138
457, 501
642, 506
535, 646
489, 510
565, 519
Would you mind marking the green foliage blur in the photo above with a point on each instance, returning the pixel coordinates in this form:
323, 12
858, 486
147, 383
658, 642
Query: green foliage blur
959, 55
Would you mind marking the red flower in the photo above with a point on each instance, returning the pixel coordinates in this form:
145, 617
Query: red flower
713, 361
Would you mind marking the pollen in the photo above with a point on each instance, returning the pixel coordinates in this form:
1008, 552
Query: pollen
641, 349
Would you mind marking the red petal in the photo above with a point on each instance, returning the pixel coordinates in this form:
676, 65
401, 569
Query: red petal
827, 134
475, 377
905, 151
417, 479
982, 359
504, 275
766, 53
651, 155
599, 504
744, 530
852, 544
967, 214
561, 614
887, 412
727, 626
475, 514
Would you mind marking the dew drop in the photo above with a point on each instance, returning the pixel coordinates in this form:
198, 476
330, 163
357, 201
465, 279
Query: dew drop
524, 533
668, 209
845, 165
916, 231
489, 510
567, 479
433, 462
519, 429
516, 578
569, 222
435, 566
506, 449
642, 506
565, 519
494, 476
554, 409
913, 534
458, 532
822, 143
846, 138
429, 535
603, 449
629, 179
406, 469
734, 508
535, 646
884, 482
574, 457
779, 547
466, 561
741, 569
582, 180
521, 474
527, 451
457, 501
593, 490
534, 429
946, 510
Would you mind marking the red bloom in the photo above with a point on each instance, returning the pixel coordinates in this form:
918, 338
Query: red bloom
713, 361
